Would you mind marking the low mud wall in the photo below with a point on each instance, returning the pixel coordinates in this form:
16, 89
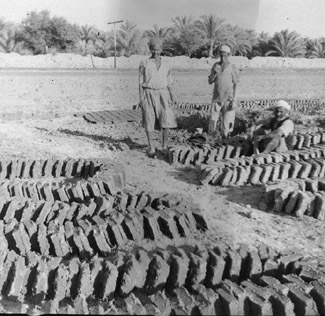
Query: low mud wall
74, 61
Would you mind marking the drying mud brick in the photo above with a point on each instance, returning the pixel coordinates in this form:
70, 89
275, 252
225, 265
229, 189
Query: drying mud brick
312, 185
61, 248
226, 176
162, 302
59, 284
232, 267
215, 270
157, 274
101, 241
57, 168
292, 202
292, 278
315, 170
305, 170
311, 205
116, 233
229, 304
143, 266
8, 213
4, 174
295, 169
84, 287
107, 280
79, 168
281, 198
179, 265
197, 270
271, 268
302, 204
304, 304
318, 295
256, 172
69, 168
257, 304
15, 287
266, 173
45, 210
287, 262
238, 292
234, 178
62, 195
39, 285
284, 171
151, 227
36, 169
319, 207
254, 266
128, 279
47, 168
221, 153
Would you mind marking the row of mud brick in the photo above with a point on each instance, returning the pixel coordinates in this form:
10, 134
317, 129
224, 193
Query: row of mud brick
50, 191
88, 229
113, 117
248, 104
222, 281
303, 165
297, 197
188, 155
29, 168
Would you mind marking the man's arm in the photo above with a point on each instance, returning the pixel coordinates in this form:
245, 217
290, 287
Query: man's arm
213, 75
170, 87
141, 80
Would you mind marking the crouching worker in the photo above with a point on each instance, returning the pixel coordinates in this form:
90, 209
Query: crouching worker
156, 97
271, 135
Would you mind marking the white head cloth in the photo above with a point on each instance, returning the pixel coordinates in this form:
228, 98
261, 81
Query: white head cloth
225, 49
283, 104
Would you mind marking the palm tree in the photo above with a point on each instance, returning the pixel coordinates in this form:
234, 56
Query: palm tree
286, 44
128, 38
183, 23
214, 30
162, 33
88, 36
104, 44
241, 41
9, 39
316, 48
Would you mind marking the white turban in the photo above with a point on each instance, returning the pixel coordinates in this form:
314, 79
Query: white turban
283, 104
225, 49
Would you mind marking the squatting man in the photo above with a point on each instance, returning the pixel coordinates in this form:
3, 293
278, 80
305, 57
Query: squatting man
156, 97
270, 135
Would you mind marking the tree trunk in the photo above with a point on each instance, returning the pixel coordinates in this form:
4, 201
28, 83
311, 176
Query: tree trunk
211, 48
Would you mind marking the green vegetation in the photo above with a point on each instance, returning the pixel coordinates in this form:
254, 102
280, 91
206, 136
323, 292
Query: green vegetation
40, 33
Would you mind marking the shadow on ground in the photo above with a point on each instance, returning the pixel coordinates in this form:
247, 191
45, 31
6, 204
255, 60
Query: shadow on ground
126, 140
187, 174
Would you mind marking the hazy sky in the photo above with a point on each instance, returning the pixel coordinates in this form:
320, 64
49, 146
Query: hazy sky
304, 16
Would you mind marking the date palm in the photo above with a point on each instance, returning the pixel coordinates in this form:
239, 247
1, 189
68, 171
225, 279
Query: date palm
128, 38
286, 44
241, 41
316, 48
214, 31
88, 37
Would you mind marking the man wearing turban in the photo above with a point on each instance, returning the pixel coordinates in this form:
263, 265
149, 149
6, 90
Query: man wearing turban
225, 77
156, 96
272, 133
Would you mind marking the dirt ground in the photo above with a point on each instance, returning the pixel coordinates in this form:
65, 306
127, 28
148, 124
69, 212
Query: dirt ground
37, 110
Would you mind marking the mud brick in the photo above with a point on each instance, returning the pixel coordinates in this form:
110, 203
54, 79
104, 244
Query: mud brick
25, 238
231, 267
4, 164
266, 173
32, 192
116, 233
94, 190
211, 156
294, 169
85, 225
309, 274
284, 171
44, 210
61, 248
17, 277
292, 278
62, 195
184, 154
102, 242
10, 210
213, 177
167, 225
228, 151
173, 154
304, 304
48, 168
315, 170
234, 177
242, 175
86, 169
271, 268
269, 281
292, 202
31, 227
8, 227
184, 301
128, 278
287, 262
291, 141
255, 174
226, 176
83, 283
179, 267
321, 162
157, 274
142, 203
13, 169
19, 168
229, 303
305, 170
81, 241
262, 292
107, 280
4, 192
43, 243
57, 168
281, 198
300, 141
311, 206
290, 156
221, 153
69, 168
72, 211
315, 140
259, 159
76, 194
26, 169
321, 184
307, 140
61, 213
236, 291
319, 207
59, 285
16, 242
214, 270
197, 270
161, 301
258, 305
200, 157
151, 227
302, 204
79, 168
36, 169
3, 240
318, 295
101, 187
81, 212
275, 174
254, 265
39, 283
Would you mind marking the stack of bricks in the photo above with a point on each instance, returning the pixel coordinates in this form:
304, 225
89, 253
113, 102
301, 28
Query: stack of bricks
298, 197
192, 155
266, 168
189, 280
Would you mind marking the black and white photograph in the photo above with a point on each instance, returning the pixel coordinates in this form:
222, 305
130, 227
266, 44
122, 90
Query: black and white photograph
162, 157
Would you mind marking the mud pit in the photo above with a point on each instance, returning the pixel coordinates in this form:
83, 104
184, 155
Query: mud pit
166, 244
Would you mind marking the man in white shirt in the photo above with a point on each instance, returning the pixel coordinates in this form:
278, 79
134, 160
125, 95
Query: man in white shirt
156, 96
271, 134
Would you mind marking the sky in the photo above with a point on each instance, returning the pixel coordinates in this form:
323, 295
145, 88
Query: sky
302, 16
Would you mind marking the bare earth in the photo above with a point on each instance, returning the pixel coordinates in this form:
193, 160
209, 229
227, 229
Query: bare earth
44, 103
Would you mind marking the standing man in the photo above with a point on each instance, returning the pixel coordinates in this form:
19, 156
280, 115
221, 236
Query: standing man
156, 96
225, 77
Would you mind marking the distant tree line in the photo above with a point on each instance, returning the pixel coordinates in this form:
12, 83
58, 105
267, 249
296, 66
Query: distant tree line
39, 33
